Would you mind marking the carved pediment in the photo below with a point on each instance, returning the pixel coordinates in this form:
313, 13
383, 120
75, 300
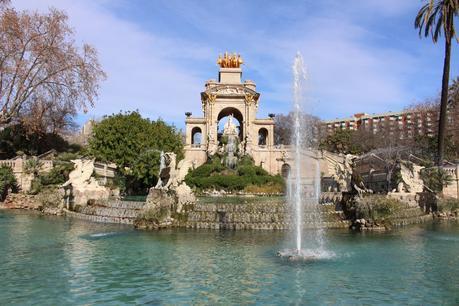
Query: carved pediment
229, 90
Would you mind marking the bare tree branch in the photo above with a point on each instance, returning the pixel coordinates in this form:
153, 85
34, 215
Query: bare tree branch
43, 75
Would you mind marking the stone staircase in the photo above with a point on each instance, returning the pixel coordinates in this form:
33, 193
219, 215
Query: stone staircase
410, 215
123, 212
268, 215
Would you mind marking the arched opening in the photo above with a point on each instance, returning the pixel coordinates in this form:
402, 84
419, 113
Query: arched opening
285, 170
262, 137
196, 136
224, 116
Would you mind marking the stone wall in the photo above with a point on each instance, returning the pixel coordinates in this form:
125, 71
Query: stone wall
452, 189
124, 212
47, 202
23, 179
239, 213
268, 215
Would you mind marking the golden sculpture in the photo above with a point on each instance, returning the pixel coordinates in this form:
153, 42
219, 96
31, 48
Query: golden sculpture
230, 60
251, 99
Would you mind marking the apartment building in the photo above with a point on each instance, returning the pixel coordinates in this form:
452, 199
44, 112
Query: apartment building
404, 124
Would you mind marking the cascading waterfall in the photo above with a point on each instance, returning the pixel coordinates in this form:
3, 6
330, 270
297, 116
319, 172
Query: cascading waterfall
304, 184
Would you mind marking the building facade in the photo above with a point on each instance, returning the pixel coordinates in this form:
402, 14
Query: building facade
404, 125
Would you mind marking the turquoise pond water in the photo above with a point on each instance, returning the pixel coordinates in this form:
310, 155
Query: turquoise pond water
58, 261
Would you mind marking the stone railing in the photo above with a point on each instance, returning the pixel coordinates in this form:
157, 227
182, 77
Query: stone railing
8, 162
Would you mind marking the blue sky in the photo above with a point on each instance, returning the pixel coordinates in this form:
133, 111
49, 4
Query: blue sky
360, 55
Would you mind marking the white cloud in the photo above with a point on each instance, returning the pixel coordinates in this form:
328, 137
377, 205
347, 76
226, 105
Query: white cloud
351, 66
141, 71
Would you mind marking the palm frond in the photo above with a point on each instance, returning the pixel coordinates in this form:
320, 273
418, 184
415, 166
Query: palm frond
432, 19
440, 24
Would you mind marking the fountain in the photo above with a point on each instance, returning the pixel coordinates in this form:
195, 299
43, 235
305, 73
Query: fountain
302, 195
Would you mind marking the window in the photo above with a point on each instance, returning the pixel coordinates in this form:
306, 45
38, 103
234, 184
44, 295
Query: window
196, 137
262, 137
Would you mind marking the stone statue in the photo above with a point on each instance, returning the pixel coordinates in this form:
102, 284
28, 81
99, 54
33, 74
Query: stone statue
230, 128
230, 61
83, 169
83, 186
411, 181
284, 155
171, 193
341, 171
167, 172
241, 146
230, 150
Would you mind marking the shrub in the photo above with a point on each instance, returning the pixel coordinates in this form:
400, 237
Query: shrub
50, 197
7, 181
58, 175
36, 186
268, 188
247, 176
32, 166
447, 204
67, 156
53, 177
118, 182
376, 207
204, 171
435, 179
246, 170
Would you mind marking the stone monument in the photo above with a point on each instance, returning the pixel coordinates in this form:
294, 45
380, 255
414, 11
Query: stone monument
231, 97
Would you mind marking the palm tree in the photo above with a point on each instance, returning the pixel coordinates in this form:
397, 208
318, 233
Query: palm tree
434, 18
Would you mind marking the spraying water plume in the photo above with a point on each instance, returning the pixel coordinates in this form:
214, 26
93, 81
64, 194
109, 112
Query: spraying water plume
304, 184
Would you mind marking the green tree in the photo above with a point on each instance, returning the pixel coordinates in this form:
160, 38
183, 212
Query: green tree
435, 179
434, 18
7, 181
426, 146
342, 141
16, 138
134, 144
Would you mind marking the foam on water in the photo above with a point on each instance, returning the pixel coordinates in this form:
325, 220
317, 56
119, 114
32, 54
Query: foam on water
100, 235
306, 254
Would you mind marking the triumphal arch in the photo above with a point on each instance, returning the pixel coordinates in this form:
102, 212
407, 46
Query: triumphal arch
230, 97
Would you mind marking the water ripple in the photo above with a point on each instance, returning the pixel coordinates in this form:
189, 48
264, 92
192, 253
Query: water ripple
60, 262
